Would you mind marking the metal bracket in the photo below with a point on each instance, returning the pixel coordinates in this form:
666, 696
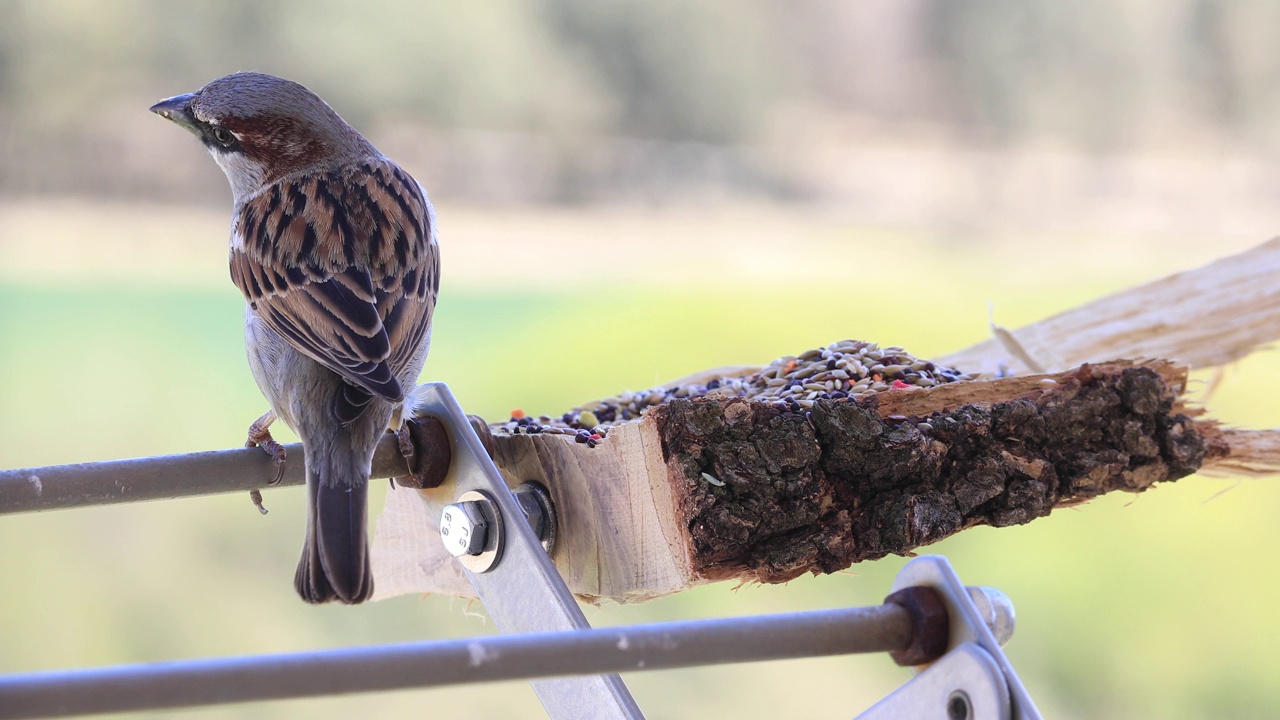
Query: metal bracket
965, 684
974, 679
522, 590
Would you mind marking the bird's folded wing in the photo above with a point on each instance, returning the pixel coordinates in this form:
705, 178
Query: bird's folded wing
344, 268
334, 321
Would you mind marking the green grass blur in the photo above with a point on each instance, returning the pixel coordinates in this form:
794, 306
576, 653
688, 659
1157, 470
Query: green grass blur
1156, 605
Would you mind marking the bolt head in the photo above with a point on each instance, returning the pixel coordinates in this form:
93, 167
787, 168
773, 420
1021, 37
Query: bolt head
996, 610
464, 528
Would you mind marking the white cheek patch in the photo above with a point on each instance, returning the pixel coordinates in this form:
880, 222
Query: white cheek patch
244, 174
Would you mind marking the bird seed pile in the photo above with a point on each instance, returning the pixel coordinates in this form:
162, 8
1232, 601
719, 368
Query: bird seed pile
840, 371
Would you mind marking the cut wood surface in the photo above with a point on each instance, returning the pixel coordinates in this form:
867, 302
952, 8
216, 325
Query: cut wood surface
618, 535
721, 488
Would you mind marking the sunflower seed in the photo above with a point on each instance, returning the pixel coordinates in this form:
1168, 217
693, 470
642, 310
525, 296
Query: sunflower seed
711, 479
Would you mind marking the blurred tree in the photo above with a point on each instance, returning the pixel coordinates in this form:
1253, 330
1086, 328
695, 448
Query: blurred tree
706, 71
490, 65
560, 99
1233, 72
1015, 67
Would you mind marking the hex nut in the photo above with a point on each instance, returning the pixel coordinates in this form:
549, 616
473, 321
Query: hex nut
535, 504
930, 625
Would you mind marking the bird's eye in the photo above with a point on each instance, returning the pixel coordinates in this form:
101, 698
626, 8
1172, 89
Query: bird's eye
223, 136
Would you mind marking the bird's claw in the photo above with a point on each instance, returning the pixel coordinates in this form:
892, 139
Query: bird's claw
256, 497
260, 436
424, 445
404, 441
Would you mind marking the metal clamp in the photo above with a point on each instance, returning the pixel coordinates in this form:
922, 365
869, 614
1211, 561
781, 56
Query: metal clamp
973, 680
521, 588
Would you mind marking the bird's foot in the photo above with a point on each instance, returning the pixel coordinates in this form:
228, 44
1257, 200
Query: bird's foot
260, 436
404, 443
424, 445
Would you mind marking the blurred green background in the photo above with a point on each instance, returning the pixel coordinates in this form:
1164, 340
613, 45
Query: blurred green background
629, 192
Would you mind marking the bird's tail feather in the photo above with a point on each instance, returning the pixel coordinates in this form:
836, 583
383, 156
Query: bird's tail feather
335, 559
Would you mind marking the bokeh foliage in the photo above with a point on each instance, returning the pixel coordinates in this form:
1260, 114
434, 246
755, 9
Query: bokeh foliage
572, 79
629, 192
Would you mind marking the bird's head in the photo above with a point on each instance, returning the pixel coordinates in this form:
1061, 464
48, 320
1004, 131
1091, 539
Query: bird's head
261, 129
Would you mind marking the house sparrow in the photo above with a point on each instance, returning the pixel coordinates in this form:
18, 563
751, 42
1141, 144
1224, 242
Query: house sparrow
334, 248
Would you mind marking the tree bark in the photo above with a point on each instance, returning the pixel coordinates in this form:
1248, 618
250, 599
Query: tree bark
768, 495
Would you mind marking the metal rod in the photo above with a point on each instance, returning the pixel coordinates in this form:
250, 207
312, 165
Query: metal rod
657, 646
162, 478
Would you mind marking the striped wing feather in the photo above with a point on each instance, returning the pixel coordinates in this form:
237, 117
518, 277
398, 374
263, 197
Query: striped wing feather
344, 267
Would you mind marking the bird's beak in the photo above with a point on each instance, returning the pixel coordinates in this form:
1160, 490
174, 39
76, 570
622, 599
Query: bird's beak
178, 109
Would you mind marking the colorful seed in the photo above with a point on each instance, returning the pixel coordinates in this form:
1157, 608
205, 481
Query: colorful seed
849, 369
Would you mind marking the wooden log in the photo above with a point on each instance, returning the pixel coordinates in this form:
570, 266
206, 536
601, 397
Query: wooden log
722, 488
857, 481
